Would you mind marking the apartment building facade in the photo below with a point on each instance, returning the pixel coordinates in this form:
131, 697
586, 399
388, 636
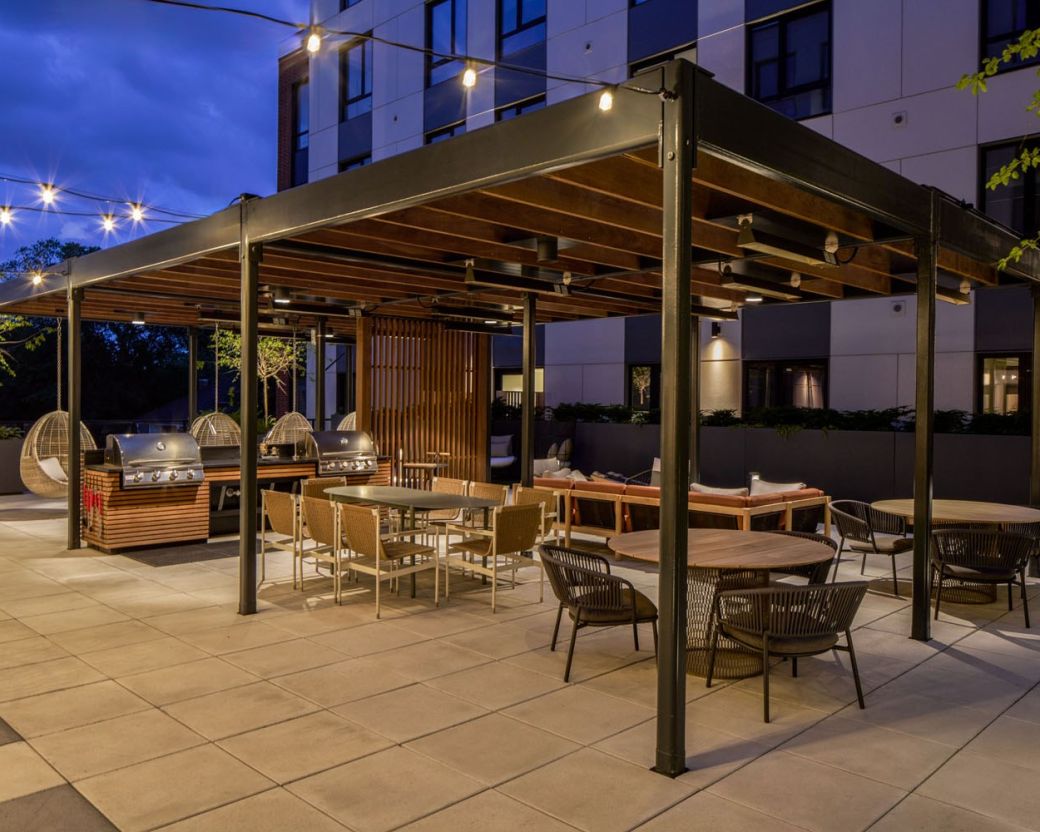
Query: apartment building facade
877, 76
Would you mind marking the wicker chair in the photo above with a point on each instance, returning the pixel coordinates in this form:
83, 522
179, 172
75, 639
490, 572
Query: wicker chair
816, 573
1032, 531
320, 525
981, 556
870, 532
788, 621
315, 486
383, 555
487, 491
514, 532
216, 428
440, 519
282, 511
527, 496
593, 597
44, 460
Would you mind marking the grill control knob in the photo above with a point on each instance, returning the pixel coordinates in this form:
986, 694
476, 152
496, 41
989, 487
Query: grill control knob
155, 476
355, 465
173, 476
137, 477
190, 475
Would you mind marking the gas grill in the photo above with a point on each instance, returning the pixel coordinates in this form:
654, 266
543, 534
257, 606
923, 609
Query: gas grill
343, 452
151, 460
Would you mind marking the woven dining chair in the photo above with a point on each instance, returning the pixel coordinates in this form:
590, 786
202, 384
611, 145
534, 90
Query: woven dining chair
513, 534
383, 556
789, 622
870, 532
282, 512
815, 573
527, 496
439, 519
315, 486
981, 556
321, 527
1032, 531
593, 597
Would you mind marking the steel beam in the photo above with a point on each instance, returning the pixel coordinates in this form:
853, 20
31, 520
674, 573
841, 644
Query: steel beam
75, 397
1034, 404
250, 261
193, 374
677, 153
695, 401
927, 279
319, 375
530, 359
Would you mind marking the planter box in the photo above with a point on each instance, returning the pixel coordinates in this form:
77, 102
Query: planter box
10, 479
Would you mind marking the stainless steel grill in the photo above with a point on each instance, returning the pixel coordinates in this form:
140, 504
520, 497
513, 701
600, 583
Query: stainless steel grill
343, 452
151, 460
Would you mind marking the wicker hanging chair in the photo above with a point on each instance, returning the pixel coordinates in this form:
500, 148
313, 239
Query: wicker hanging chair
44, 461
216, 429
292, 428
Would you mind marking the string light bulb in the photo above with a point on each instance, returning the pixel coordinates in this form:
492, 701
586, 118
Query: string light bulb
314, 41
5, 215
37, 278
606, 101
136, 212
108, 222
469, 78
48, 193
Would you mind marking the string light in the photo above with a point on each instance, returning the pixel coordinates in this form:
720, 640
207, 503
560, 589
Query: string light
108, 223
37, 278
314, 41
48, 193
5, 215
469, 78
136, 212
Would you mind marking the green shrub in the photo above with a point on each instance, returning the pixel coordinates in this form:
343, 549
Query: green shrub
8, 432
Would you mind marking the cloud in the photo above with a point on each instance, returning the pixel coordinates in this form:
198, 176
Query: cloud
137, 101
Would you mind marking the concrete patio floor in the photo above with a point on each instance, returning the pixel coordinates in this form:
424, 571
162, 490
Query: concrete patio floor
132, 696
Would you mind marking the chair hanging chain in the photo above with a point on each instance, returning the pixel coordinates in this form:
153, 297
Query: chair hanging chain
59, 362
216, 368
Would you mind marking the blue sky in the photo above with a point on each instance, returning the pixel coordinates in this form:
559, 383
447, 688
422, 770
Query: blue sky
139, 101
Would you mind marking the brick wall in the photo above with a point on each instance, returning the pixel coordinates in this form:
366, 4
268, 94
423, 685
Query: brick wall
292, 69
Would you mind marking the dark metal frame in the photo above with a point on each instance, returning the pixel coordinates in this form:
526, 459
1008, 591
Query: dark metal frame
500, 36
1025, 368
530, 362
73, 338
434, 62
345, 103
193, 374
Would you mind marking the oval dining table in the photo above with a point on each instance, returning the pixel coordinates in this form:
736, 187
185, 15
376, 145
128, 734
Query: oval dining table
721, 559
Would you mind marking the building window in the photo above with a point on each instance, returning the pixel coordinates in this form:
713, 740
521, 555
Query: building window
785, 384
445, 35
355, 69
442, 133
644, 387
1017, 204
1003, 383
638, 2
356, 162
514, 110
346, 4
1004, 22
521, 23
300, 132
789, 62
689, 51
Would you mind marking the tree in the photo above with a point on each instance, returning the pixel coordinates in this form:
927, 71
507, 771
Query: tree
275, 358
1023, 49
641, 382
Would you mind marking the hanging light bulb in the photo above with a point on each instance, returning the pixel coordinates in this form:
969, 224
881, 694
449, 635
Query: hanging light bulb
606, 100
469, 78
37, 278
314, 41
48, 193
136, 212
108, 222
5, 215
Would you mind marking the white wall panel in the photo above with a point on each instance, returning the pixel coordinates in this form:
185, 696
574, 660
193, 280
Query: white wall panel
603, 384
721, 383
940, 42
954, 380
1002, 110
866, 35
953, 171
863, 382
598, 341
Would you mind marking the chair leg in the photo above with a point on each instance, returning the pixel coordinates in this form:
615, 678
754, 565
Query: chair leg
895, 580
1025, 599
711, 655
570, 650
653, 625
863, 564
938, 593
837, 560
556, 629
1011, 605
855, 669
794, 667
635, 634
765, 677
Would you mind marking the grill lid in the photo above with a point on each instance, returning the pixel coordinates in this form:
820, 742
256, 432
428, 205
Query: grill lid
151, 450
343, 444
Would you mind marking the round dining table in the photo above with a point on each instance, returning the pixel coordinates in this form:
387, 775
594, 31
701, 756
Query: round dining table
721, 559
963, 511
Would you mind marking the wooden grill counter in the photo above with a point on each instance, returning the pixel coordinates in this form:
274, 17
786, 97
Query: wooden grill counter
118, 519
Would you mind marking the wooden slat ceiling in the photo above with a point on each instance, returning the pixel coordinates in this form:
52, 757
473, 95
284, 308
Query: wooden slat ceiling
606, 216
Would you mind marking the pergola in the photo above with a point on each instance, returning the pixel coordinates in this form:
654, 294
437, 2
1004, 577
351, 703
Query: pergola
575, 211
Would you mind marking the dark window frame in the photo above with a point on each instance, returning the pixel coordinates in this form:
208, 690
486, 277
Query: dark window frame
346, 4
355, 162
528, 105
783, 20
297, 133
448, 131
1025, 371
367, 48
778, 366
985, 39
502, 35
1030, 183
433, 63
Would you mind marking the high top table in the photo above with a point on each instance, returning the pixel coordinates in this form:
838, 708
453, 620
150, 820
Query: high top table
721, 559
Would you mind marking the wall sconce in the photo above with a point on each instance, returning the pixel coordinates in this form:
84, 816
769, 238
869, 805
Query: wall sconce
716, 329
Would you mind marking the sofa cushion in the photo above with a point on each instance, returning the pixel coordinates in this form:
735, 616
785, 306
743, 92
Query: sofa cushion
760, 486
546, 466
717, 500
601, 487
502, 445
553, 482
700, 488
651, 491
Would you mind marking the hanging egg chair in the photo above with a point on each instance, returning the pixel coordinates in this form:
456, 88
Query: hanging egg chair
349, 422
212, 429
290, 429
44, 461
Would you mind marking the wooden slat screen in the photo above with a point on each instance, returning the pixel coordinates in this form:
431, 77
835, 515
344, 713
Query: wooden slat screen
424, 388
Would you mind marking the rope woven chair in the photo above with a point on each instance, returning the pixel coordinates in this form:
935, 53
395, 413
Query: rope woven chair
283, 513
789, 621
514, 531
216, 429
528, 496
320, 525
382, 555
1032, 531
441, 518
291, 428
44, 459
860, 526
981, 556
593, 597
816, 573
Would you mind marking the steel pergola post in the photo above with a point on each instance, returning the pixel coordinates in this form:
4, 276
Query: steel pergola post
250, 254
319, 375
193, 374
695, 401
1034, 404
677, 152
530, 358
924, 440
75, 472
